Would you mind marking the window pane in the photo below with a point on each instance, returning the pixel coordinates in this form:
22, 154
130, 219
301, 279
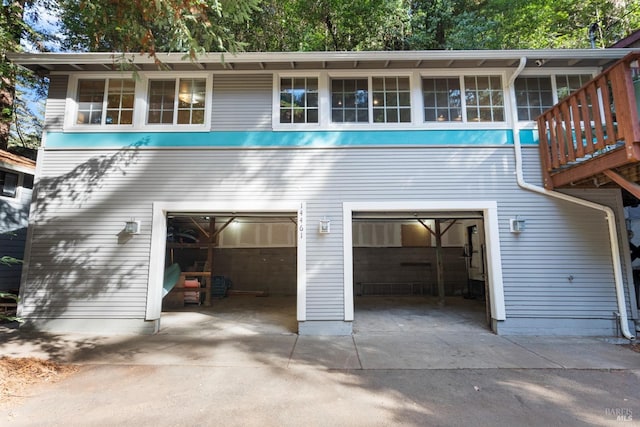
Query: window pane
90, 99
121, 94
184, 117
191, 98
390, 93
8, 183
441, 99
349, 100
197, 117
566, 84
126, 117
312, 100
405, 115
285, 115
532, 97
299, 115
161, 101
297, 95
484, 98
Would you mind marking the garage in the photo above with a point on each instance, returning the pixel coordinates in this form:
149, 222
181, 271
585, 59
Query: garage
234, 268
418, 266
425, 268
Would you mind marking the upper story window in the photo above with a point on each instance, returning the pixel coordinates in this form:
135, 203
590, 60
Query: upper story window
483, 99
349, 101
105, 101
391, 100
8, 184
442, 101
177, 101
535, 95
375, 100
299, 100
566, 84
151, 101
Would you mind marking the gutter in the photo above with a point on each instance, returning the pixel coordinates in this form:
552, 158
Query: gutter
609, 214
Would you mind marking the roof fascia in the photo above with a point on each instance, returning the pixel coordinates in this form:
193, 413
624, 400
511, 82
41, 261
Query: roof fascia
262, 57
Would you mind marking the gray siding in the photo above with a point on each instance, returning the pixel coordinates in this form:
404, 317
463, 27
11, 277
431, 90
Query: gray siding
242, 102
54, 113
81, 267
14, 218
12, 244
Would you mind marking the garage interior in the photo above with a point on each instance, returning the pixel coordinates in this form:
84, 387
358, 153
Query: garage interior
244, 265
419, 269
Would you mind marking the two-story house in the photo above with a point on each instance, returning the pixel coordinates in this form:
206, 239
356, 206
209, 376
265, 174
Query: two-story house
327, 176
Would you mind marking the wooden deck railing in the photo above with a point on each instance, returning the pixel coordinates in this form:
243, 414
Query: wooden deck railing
598, 119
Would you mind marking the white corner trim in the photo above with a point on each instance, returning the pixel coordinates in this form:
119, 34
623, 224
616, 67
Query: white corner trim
301, 294
489, 209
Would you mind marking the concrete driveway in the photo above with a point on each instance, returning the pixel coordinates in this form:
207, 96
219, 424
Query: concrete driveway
242, 373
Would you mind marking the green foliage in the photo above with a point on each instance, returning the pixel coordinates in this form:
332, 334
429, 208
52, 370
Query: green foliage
9, 261
12, 297
318, 25
189, 26
543, 24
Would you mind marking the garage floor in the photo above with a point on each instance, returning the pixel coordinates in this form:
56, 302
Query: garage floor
418, 314
277, 315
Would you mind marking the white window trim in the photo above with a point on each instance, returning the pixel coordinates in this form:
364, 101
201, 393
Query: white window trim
464, 124
275, 116
417, 106
140, 103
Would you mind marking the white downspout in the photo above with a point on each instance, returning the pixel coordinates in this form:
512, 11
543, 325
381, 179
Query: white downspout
610, 216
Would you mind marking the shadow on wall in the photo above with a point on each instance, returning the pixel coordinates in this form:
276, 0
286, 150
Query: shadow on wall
74, 265
13, 216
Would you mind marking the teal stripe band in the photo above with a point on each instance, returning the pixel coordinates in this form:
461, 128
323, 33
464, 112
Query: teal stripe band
255, 139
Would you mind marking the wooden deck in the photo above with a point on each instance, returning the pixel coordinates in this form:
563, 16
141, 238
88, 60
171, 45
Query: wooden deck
592, 137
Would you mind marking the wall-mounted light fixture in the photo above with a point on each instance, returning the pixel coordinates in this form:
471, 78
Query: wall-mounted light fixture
325, 226
516, 225
132, 226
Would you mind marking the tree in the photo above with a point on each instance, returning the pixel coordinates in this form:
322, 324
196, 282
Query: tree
12, 29
189, 26
539, 24
321, 25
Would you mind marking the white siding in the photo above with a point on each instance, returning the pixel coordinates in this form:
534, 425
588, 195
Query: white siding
81, 267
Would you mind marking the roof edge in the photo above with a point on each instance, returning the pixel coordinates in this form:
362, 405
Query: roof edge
22, 58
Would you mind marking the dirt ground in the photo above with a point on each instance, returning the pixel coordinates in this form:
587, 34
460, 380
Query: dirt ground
19, 375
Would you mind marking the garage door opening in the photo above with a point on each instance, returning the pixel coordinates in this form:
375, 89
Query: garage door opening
423, 265
237, 270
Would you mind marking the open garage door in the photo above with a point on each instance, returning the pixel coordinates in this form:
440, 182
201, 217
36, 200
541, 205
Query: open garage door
235, 270
423, 268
